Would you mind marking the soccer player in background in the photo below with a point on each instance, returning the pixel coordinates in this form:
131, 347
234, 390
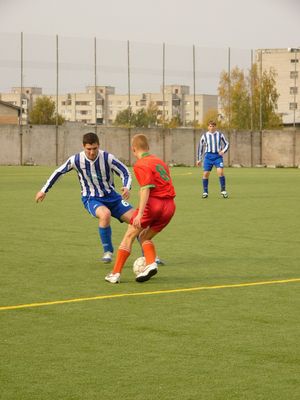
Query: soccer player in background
155, 211
214, 145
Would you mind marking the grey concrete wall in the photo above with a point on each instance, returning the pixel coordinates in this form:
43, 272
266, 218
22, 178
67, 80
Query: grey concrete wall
176, 146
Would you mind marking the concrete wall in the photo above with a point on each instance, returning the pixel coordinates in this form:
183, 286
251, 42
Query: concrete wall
176, 146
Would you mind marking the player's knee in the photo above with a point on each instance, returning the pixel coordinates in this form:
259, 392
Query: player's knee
103, 215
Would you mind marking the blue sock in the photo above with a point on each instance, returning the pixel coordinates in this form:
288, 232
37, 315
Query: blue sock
105, 236
205, 185
222, 183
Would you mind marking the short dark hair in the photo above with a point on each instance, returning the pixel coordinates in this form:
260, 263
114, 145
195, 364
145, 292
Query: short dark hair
212, 122
90, 138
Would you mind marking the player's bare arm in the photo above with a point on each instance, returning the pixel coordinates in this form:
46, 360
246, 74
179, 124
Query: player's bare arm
40, 196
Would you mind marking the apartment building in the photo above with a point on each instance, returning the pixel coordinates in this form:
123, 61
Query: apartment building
174, 101
286, 64
29, 95
102, 104
85, 107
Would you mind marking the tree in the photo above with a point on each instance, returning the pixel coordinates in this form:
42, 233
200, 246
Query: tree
123, 118
143, 118
174, 122
43, 112
211, 115
241, 96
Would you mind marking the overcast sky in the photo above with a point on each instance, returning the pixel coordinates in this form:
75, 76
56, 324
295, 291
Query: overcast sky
218, 23
213, 26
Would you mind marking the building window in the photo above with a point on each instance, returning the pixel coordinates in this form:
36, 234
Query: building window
294, 60
294, 74
294, 90
83, 103
293, 106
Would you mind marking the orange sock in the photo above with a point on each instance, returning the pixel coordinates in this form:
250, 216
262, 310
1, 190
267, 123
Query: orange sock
122, 255
149, 251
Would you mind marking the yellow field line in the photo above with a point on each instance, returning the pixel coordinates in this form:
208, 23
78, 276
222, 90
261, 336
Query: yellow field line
113, 296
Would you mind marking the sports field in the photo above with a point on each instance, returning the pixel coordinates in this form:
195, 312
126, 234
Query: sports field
219, 321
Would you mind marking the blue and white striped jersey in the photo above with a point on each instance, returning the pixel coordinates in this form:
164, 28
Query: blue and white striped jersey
96, 177
212, 143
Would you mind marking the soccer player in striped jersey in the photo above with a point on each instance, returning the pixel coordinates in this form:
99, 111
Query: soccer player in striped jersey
95, 169
155, 211
213, 144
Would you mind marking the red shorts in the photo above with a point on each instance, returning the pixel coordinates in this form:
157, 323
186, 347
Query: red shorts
157, 214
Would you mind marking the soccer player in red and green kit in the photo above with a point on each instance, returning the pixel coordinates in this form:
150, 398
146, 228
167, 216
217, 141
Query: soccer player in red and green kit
155, 211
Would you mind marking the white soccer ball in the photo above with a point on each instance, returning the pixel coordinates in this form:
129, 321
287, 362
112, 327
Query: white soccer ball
139, 265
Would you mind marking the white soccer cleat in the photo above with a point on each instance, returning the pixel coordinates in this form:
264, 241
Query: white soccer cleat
113, 278
148, 272
224, 194
107, 257
204, 195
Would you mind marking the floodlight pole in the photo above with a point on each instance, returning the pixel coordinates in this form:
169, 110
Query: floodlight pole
21, 108
163, 82
194, 99
56, 113
295, 83
251, 107
129, 101
95, 79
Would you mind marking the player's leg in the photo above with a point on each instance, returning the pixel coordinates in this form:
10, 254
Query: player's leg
96, 207
126, 218
104, 216
162, 212
123, 253
207, 167
222, 180
205, 179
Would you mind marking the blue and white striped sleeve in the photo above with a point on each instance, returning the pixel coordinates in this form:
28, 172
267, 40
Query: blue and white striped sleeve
63, 169
225, 143
122, 171
201, 147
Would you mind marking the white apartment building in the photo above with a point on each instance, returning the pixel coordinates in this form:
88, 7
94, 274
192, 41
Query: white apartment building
105, 104
286, 64
85, 107
175, 101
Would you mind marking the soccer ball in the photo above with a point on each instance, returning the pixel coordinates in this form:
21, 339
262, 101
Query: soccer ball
139, 265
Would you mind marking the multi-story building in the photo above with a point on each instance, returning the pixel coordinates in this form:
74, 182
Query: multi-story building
286, 65
85, 106
103, 104
29, 95
175, 101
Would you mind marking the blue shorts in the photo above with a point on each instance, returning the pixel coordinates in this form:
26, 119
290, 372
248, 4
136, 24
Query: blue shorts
212, 159
113, 202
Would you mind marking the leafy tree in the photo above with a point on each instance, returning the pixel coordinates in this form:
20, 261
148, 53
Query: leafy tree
123, 118
143, 118
140, 119
269, 98
237, 92
211, 115
43, 112
175, 122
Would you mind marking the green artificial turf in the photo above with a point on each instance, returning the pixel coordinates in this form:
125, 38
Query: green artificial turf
224, 343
